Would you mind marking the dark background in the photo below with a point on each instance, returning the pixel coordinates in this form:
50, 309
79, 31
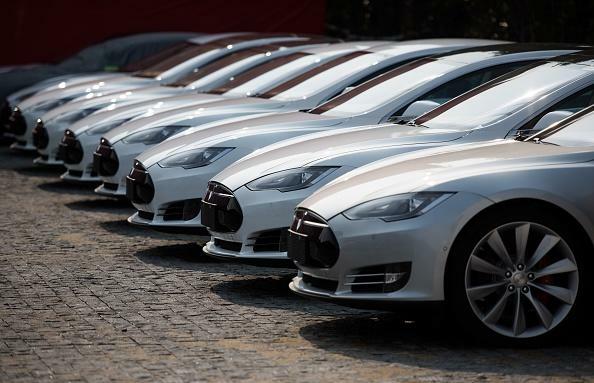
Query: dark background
42, 31
518, 20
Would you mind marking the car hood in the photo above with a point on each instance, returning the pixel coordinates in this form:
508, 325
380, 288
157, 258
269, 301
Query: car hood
141, 109
104, 85
58, 82
350, 147
194, 116
251, 133
434, 170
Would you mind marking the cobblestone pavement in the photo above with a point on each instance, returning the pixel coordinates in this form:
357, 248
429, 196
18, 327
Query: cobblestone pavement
85, 297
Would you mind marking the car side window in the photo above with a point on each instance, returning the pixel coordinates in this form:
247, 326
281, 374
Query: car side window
462, 84
573, 103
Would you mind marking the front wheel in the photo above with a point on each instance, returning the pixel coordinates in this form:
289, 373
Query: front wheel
517, 279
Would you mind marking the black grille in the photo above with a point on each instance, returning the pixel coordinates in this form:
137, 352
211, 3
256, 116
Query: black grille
40, 136
271, 240
110, 186
228, 245
220, 210
75, 173
70, 150
105, 160
16, 123
139, 185
181, 210
319, 283
146, 215
311, 242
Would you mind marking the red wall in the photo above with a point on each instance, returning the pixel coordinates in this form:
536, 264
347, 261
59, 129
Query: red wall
48, 30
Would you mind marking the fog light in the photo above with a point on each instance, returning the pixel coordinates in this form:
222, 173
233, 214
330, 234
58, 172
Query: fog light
380, 278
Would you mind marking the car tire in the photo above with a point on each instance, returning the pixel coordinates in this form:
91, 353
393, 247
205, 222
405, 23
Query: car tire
479, 298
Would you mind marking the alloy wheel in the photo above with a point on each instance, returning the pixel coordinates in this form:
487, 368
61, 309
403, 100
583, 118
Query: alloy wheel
521, 279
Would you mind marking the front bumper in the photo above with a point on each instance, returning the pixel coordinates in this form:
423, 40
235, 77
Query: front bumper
177, 193
21, 130
266, 218
50, 149
83, 171
422, 242
115, 184
266, 214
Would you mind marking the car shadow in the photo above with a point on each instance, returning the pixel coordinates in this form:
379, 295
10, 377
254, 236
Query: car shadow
387, 338
104, 205
62, 187
188, 256
181, 256
40, 171
271, 291
122, 227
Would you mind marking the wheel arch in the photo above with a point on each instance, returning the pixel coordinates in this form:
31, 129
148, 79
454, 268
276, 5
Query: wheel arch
518, 203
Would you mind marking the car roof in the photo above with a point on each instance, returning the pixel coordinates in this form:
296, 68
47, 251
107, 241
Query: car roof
350, 45
585, 57
479, 53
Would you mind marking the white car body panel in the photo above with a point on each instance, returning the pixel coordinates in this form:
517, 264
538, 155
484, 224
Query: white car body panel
96, 100
333, 80
30, 107
337, 140
481, 175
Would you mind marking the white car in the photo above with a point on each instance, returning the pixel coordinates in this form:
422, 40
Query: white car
175, 182
306, 91
81, 138
49, 128
196, 52
499, 234
267, 185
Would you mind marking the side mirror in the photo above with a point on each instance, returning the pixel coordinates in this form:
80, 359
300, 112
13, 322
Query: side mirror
550, 118
347, 89
418, 108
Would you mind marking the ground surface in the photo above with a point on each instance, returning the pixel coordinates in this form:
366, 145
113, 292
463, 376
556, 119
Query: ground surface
85, 297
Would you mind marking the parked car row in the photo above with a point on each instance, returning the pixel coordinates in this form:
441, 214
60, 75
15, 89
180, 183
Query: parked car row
450, 174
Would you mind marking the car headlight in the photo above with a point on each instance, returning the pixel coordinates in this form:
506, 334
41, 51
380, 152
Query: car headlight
194, 158
291, 179
105, 127
155, 135
397, 207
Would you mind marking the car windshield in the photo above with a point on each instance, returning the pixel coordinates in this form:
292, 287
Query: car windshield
242, 83
187, 52
504, 96
577, 130
384, 88
244, 56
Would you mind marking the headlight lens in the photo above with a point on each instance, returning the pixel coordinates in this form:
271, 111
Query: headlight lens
292, 179
194, 158
105, 127
397, 207
155, 135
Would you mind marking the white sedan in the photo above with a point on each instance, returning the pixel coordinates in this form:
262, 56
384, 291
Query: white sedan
268, 184
49, 128
196, 52
499, 235
176, 174
80, 140
306, 91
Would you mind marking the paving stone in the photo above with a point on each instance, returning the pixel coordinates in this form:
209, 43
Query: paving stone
84, 297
